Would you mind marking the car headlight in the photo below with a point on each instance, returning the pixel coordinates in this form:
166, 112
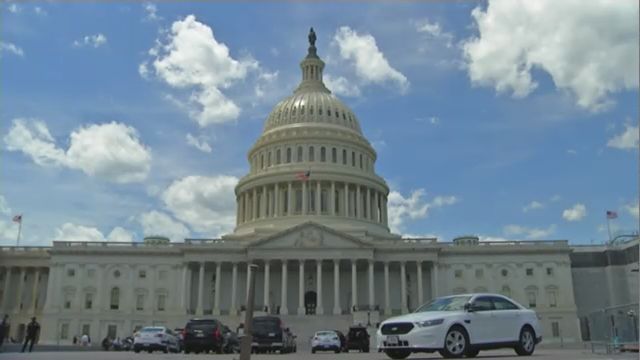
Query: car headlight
430, 322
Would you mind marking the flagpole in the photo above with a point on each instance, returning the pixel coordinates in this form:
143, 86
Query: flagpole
609, 229
19, 231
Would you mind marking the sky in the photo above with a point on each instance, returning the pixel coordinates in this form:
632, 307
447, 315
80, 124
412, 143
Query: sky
509, 120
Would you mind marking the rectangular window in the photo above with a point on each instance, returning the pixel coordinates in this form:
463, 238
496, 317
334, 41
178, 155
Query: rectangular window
86, 329
344, 157
458, 274
323, 154
67, 304
88, 301
278, 157
479, 273
161, 301
555, 329
142, 274
553, 298
353, 159
140, 302
531, 296
550, 271
299, 158
334, 155
71, 272
529, 272
311, 154
64, 331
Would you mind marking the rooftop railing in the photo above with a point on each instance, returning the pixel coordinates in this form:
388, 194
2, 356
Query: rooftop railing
25, 249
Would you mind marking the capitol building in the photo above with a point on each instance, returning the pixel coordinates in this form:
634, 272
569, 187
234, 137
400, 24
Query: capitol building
312, 214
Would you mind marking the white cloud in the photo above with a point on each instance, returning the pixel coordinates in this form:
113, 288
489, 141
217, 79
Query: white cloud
588, 48
39, 11
555, 198
110, 151
199, 143
528, 233
11, 48
572, 152
414, 207
265, 83
96, 41
341, 86
628, 140
73, 232
14, 8
633, 210
370, 63
575, 213
151, 12
156, 223
207, 204
4, 206
493, 238
534, 205
434, 30
190, 58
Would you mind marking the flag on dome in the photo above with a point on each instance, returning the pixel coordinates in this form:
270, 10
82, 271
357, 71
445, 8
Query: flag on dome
611, 214
17, 218
303, 175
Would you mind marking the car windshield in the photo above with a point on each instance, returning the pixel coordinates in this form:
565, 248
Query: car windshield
152, 330
450, 303
266, 324
326, 334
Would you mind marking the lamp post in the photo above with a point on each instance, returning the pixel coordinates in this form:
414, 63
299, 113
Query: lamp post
247, 339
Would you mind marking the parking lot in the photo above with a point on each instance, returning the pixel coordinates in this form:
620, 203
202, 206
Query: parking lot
564, 354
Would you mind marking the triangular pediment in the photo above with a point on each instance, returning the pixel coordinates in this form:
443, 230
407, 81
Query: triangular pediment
310, 235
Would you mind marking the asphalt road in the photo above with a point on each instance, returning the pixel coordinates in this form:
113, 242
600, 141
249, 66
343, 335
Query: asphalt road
541, 354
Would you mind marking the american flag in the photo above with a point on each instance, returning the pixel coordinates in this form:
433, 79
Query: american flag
611, 214
17, 218
303, 175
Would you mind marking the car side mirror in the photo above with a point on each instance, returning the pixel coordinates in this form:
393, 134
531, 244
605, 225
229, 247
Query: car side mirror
468, 307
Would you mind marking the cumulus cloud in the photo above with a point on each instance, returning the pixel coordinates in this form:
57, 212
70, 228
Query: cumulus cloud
156, 223
534, 205
206, 204
434, 30
575, 213
198, 143
528, 233
413, 207
628, 140
265, 83
588, 48
7, 47
73, 232
633, 210
370, 63
191, 58
151, 12
341, 86
95, 41
14, 8
111, 151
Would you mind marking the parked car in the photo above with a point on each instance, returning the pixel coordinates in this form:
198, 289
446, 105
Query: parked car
327, 340
270, 335
153, 338
180, 334
343, 341
461, 325
203, 335
232, 342
358, 338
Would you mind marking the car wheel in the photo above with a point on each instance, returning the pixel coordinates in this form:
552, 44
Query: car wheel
166, 349
471, 353
149, 351
397, 353
455, 343
137, 351
313, 351
527, 342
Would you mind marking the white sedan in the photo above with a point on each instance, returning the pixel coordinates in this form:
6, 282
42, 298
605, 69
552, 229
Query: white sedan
325, 341
461, 325
153, 338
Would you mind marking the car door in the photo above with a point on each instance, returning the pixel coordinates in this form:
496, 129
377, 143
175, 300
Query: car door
480, 321
508, 319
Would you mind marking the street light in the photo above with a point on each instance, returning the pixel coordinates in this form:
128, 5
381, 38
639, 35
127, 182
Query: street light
247, 339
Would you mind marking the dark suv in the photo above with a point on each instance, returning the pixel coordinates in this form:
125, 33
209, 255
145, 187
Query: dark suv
269, 335
358, 339
203, 335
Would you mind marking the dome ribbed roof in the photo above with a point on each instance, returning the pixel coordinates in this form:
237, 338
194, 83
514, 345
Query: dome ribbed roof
312, 103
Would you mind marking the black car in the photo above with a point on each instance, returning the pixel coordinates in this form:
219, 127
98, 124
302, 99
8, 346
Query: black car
204, 335
358, 339
343, 341
270, 335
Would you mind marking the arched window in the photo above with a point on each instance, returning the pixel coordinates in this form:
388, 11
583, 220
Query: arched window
353, 159
360, 161
269, 158
334, 155
278, 157
115, 298
299, 158
311, 154
288, 155
261, 161
323, 154
344, 157
552, 296
532, 296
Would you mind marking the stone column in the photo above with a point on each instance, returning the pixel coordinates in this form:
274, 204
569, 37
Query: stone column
200, 306
387, 301
5, 293
434, 279
354, 285
101, 291
267, 276
346, 200
419, 279
318, 197
371, 290
289, 199
367, 201
336, 287
376, 209
254, 205
264, 209
358, 203
20, 290
283, 294
403, 287
384, 210
301, 288
184, 304
34, 291
305, 209
246, 207
319, 306
216, 300
234, 285
332, 201
276, 198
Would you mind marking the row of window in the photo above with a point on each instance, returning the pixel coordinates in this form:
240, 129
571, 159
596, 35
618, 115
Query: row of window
283, 117
479, 273
531, 293
312, 153
114, 300
142, 274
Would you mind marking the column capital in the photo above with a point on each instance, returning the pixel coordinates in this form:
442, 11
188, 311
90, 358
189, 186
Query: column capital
337, 261
284, 261
319, 261
354, 261
267, 261
371, 261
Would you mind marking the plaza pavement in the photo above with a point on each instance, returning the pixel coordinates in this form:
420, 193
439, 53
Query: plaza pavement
540, 354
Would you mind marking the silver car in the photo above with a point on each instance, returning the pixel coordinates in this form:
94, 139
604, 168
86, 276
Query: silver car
152, 338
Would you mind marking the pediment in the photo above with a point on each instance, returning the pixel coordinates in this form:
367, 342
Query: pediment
310, 235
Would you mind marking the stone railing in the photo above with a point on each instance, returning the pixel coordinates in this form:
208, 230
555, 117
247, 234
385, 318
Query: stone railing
522, 243
424, 241
110, 244
24, 249
203, 241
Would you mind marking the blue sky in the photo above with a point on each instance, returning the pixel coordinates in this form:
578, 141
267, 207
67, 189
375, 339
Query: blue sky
120, 120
